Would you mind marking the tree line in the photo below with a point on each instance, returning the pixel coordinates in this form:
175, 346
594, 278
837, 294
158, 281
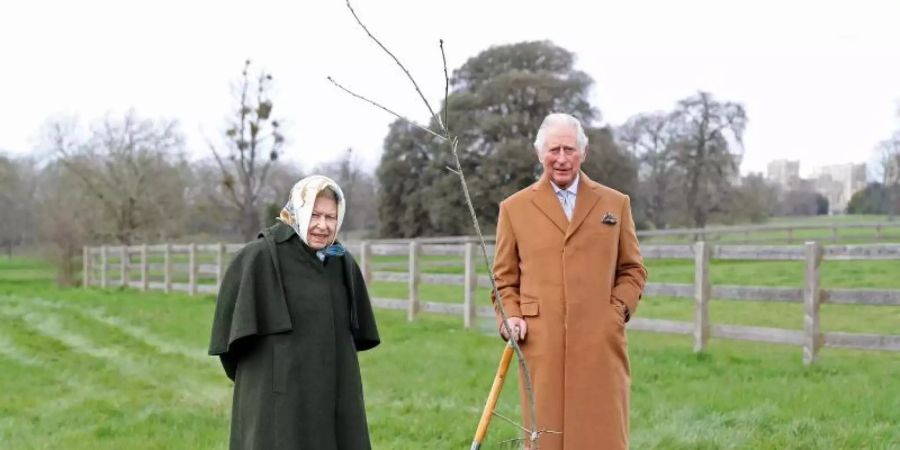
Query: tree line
882, 196
681, 167
128, 179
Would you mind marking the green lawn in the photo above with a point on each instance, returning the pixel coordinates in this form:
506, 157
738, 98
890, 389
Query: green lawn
825, 235
113, 369
828, 220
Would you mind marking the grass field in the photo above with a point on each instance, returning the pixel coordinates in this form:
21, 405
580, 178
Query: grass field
113, 369
825, 234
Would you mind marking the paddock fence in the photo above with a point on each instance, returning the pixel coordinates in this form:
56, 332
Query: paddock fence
198, 269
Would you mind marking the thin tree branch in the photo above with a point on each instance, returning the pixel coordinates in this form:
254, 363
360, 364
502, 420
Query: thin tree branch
446, 124
512, 422
228, 189
262, 179
372, 102
454, 142
529, 386
402, 67
243, 124
254, 131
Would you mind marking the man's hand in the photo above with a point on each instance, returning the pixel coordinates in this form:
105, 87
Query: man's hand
626, 314
518, 326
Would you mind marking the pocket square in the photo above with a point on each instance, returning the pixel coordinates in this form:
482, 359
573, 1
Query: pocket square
609, 218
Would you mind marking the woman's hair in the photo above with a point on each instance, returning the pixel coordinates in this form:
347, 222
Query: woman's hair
329, 193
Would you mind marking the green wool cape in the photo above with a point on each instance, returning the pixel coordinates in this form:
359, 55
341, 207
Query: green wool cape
287, 328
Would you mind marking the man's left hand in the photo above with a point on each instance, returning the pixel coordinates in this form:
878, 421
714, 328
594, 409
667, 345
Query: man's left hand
626, 314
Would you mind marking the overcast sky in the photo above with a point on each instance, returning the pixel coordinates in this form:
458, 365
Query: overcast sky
820, 79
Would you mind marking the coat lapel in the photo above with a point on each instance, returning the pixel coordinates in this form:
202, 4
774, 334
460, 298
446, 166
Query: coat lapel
584, 203
546, 201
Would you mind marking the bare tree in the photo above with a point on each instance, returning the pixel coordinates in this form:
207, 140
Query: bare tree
253, 144
889, 150
649, 138
281, 180
210, 213
133, 168
358, 187
9, 193
17, 185
68, 219
709, 145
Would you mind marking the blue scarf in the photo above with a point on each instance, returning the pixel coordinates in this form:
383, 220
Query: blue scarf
332, 250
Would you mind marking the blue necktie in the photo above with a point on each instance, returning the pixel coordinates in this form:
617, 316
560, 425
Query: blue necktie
565, 198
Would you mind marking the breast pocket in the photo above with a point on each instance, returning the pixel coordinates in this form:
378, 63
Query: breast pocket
604, 229
597, 236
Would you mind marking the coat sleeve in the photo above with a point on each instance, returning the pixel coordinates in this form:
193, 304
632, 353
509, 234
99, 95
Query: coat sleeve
250, 302
365, 330
506, 267
631, 275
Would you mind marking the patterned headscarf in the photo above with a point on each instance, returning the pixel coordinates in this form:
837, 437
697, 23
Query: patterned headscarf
298, 210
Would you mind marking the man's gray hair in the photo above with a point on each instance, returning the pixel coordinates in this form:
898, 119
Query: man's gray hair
554, 119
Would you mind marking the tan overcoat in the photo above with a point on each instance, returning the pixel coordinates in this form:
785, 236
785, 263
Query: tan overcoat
568, 280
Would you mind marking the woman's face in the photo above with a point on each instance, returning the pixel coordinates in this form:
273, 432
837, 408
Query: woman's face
322, 223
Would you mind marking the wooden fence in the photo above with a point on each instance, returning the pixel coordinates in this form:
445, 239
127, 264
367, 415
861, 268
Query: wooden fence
811, 294
791, 234
196, 269
156, 266
786, 233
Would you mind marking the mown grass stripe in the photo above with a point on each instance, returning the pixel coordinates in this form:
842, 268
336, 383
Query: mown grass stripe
141, 335
137, 369
10, 351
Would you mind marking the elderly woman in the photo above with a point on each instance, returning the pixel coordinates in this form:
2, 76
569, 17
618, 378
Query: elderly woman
291, 314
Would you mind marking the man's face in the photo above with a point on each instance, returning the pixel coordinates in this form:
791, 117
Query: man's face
322, 223
560, 156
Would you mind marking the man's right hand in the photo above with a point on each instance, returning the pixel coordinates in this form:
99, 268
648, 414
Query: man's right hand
518, 326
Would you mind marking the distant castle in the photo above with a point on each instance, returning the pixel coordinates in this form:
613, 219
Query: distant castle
836, 182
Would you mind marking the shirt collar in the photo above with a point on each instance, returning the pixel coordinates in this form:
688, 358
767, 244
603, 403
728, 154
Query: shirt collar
573, 187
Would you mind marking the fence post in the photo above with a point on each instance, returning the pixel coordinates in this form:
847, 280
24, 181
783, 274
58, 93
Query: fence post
471, 282
86, 267
104, 266
878, 233
145, 279
220, 266
701, 295
813, 338
365, 263
414, 276
167, 268
123, 266
192, 269
790, 233
834, 233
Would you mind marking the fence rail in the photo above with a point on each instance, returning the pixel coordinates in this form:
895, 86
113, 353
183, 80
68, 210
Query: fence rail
877, 232
194, 269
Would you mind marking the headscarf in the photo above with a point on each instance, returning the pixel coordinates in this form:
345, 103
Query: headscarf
298, 210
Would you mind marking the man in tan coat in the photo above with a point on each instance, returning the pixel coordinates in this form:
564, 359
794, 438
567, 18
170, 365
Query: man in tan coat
570, 274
